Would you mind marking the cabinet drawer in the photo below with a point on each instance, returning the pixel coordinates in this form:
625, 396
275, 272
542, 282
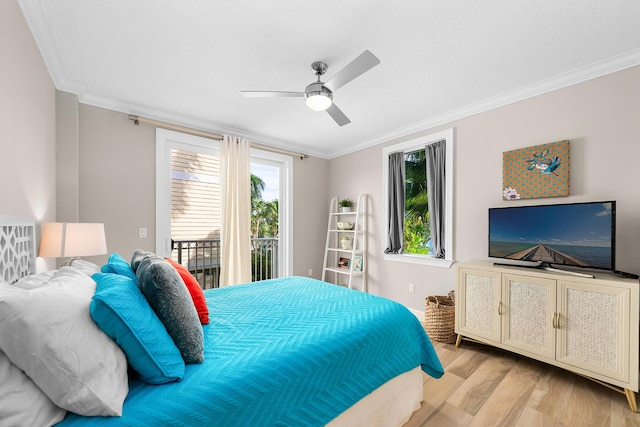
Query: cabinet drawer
527, 320
593, 332
477, 311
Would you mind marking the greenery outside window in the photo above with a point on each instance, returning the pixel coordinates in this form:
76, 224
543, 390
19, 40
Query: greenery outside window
417, 230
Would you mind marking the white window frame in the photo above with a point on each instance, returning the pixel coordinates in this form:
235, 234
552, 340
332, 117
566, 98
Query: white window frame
415, 144
166, 140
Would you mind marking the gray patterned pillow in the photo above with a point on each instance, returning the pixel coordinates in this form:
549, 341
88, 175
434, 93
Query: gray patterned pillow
168, 296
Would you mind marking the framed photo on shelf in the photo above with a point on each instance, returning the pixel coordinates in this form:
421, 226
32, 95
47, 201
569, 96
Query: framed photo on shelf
357, 263
344, 262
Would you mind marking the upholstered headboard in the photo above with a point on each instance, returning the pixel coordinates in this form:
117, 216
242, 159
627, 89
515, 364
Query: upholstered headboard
17, 247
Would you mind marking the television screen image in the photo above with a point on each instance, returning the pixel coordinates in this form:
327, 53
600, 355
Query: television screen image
573, 234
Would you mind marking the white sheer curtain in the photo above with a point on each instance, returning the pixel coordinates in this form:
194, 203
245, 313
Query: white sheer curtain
235, 171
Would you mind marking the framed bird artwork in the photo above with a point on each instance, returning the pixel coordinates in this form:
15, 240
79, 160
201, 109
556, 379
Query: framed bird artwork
536, 172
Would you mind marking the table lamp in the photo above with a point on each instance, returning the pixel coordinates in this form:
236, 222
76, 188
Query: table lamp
72, 240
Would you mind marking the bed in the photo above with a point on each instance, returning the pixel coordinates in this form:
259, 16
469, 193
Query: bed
284, 352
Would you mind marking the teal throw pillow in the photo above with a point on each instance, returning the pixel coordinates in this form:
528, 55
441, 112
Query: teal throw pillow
118, 265
122, 312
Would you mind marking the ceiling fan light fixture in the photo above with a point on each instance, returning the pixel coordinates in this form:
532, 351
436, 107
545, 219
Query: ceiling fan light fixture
318, 100
319, 95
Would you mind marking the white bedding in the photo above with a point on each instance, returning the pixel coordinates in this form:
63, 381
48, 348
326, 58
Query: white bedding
48, 334
389, 405
22, 402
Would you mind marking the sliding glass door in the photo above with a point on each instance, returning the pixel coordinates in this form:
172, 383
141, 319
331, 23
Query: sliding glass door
188, 215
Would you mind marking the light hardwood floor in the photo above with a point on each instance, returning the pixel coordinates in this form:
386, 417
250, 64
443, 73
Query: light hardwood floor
484, 386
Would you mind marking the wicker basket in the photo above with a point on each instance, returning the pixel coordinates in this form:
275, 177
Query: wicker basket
439, 318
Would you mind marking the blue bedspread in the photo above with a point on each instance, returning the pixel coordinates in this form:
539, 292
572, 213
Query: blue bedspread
285, 352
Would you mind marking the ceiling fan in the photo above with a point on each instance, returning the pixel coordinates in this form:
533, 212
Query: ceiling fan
319, 95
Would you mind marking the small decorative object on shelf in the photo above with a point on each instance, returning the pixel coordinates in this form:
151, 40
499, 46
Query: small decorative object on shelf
357, 263
343, 263
345, 225
345, 243
345, 204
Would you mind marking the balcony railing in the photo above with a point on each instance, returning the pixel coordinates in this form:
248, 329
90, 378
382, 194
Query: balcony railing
202, 259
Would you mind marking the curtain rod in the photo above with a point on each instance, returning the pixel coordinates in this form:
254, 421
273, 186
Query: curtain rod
137, 119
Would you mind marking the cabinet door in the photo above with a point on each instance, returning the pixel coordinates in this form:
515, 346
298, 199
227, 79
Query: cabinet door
477, 304
527, 314
593, 328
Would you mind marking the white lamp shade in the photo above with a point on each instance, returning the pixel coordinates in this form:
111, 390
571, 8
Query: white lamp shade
68, 239
318, 101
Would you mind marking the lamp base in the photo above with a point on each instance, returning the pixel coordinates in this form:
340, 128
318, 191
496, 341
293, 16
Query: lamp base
69, 261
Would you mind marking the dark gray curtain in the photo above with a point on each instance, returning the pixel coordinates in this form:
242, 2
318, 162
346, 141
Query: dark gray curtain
435, 154
395, 207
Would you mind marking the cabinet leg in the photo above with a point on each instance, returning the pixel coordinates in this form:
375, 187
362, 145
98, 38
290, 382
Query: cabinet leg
458, 340
631, 398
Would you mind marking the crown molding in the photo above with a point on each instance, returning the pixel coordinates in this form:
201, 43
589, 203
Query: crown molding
191, 122
592, 71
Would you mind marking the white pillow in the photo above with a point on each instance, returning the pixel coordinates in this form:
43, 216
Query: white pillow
35, 280
7, 289
22, 402
87, 267
48, 333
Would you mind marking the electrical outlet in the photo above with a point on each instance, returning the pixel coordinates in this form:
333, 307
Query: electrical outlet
310, 272
143, 233
412, 287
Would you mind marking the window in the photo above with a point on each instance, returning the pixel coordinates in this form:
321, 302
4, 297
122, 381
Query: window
188, 193
417, 238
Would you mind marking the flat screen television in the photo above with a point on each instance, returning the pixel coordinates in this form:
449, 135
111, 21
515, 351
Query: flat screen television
559, 235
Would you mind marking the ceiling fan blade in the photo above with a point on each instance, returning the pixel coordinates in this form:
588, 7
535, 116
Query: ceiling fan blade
337, 115
360, 65
269, 94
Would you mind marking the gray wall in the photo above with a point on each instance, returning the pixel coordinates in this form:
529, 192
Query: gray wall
27, 125
67, 157
117, 186
600, 117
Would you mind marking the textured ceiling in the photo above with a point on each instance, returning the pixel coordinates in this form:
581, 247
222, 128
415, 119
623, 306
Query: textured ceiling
187, 61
